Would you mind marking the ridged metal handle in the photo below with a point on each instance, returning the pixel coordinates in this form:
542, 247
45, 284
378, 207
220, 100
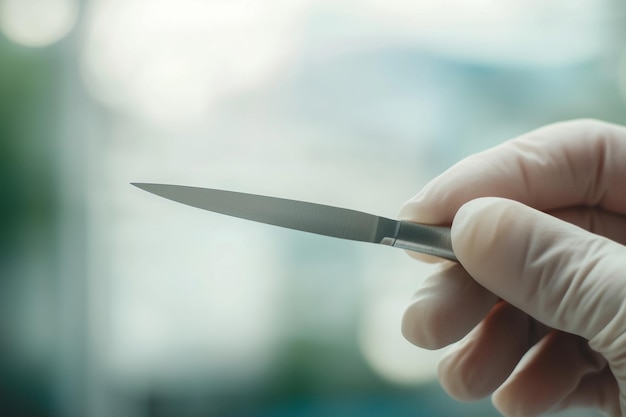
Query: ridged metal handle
431, 240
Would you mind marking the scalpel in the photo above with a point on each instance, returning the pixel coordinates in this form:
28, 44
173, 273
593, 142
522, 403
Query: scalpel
314, 218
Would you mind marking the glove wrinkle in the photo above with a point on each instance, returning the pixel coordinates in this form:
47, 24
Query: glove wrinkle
483, 360
598, 390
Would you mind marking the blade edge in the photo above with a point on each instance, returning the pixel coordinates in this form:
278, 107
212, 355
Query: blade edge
292, 214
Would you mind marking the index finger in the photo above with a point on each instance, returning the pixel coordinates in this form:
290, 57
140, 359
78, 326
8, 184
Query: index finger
575, 163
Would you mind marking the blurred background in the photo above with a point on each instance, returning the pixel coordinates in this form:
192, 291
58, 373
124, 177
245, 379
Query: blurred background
114, 302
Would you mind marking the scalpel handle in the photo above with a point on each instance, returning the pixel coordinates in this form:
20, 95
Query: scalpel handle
431, 240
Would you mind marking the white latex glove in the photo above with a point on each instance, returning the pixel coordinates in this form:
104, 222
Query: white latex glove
537, 305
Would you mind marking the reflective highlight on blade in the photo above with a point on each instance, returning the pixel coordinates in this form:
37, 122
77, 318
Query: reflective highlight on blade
292, 214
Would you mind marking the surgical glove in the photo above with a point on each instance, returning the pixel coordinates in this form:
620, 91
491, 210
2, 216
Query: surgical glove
535, 310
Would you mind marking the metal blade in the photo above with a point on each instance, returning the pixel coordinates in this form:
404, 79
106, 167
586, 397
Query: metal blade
309, 217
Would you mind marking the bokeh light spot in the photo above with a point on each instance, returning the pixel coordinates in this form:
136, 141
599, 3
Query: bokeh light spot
387, 352
37, 22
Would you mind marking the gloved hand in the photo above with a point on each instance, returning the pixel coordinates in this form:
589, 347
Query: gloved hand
536, 309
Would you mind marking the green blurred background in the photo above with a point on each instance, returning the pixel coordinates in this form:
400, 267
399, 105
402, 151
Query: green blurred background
116, 303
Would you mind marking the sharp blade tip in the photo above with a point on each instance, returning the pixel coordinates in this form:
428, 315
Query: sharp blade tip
143, 185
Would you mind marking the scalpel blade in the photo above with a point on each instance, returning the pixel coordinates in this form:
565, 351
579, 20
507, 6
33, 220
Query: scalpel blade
311, 217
